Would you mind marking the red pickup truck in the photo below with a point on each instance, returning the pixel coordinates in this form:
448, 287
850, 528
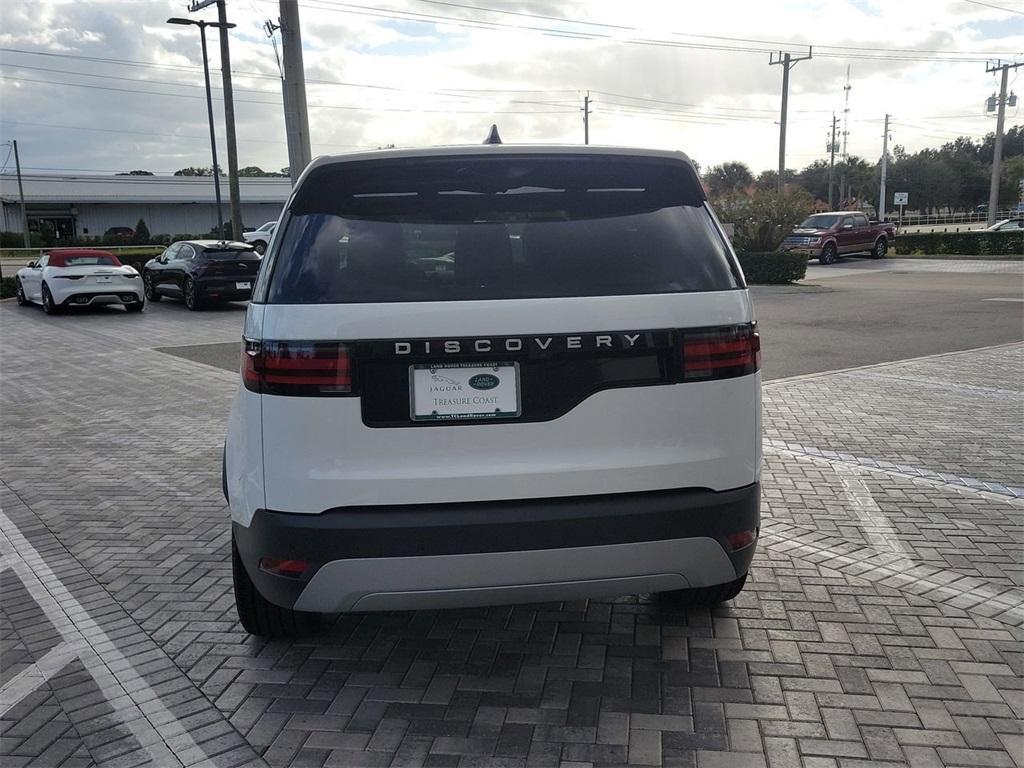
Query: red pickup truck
828, 236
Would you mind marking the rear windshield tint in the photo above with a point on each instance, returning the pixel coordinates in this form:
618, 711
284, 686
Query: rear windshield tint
246, 255
498, 228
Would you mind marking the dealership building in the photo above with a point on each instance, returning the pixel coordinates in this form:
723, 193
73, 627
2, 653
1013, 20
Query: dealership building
87, 206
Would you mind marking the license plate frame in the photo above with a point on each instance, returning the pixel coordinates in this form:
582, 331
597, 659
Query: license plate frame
462, 373
243, 286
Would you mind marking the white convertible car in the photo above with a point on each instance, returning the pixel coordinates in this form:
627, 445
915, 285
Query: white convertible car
79, 277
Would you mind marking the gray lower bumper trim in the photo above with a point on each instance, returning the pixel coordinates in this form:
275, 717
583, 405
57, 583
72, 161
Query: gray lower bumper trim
490, 578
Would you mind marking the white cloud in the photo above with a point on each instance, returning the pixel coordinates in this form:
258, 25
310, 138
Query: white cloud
734, 96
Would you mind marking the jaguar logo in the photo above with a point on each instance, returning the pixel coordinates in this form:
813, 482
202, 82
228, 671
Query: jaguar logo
484, 381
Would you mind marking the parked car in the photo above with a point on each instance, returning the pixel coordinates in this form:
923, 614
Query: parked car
1006, 225
260, 238
491, 375
120, 233
201, 272
829, 236
78, 277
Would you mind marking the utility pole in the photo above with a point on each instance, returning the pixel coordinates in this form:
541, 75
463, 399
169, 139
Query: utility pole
788, 62
586, 118
832, 164
229, 113
296, 116
843, 191
21, 196
885, 167
997, 153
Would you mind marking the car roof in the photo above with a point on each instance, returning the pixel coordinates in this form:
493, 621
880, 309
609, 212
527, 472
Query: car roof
78, 252
219, 245
491, 150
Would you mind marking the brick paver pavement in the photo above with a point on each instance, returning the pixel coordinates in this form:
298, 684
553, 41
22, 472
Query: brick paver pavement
881, 626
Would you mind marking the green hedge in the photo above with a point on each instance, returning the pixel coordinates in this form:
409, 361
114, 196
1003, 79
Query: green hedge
773, 268
6, 287
963, 243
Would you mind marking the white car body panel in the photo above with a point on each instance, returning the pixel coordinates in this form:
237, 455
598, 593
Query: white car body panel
97, 280
322, 455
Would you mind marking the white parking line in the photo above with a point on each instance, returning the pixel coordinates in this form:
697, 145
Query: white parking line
880, 531
1000, 299
29, 679
134, 702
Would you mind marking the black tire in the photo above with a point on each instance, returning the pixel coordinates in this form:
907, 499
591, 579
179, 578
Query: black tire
704, 596
261, 617
148, 288
19, 293
829, 254
880, 249
49, 306
134, 307
260, 246
190, 292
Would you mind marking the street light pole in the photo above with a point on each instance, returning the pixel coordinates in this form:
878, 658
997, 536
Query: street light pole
209, 110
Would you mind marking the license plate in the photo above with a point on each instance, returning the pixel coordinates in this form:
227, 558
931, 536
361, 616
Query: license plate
242, 286
457, 391
102, 279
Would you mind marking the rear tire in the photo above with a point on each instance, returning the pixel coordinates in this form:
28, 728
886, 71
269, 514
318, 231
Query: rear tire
136, 307
880, 249
191, 293
149, 288
261, 247
49, 307
829, 254
261, 617
704, 596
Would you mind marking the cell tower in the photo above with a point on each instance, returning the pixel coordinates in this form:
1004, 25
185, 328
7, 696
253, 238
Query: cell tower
843, 190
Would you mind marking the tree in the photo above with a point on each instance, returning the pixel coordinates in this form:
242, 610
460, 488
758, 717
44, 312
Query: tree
762, 220
255, 170
728, 177
135, 173
191, 171
141, 236
814, 178
769, 180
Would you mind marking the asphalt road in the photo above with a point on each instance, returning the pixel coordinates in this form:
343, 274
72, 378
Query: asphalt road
869, 316
855, 313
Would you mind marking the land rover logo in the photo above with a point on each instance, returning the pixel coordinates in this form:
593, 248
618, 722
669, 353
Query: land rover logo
484, 381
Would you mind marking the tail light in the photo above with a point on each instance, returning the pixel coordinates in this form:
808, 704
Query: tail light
721, 353
296, 368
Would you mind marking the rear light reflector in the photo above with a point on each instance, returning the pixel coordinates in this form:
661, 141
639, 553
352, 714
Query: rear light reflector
740, 539
721, 353
296, 368
281, 567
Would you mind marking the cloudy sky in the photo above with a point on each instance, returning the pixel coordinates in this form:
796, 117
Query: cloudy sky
107, 85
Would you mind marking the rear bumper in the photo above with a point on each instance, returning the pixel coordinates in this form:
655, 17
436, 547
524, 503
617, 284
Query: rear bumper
225, 288
98, 296
480, 553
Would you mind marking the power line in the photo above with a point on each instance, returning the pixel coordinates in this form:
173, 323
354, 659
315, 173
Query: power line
775, 43
393, 13
160, 135
997, 7
312, 106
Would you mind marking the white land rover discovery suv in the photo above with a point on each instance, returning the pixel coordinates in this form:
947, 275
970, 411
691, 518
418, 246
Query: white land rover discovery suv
493, 374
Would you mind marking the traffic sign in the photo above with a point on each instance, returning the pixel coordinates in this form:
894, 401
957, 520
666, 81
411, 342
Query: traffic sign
900, 198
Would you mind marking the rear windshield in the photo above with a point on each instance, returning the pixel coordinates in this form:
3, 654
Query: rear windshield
231, 255
509, 228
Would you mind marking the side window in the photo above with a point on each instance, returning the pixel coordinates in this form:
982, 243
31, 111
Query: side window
43, 260
860, 220
172, 252
187, 252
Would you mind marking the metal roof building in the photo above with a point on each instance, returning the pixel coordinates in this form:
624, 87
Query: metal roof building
76, 206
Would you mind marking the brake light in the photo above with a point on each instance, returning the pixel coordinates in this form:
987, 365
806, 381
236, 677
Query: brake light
721, 353
296, 368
